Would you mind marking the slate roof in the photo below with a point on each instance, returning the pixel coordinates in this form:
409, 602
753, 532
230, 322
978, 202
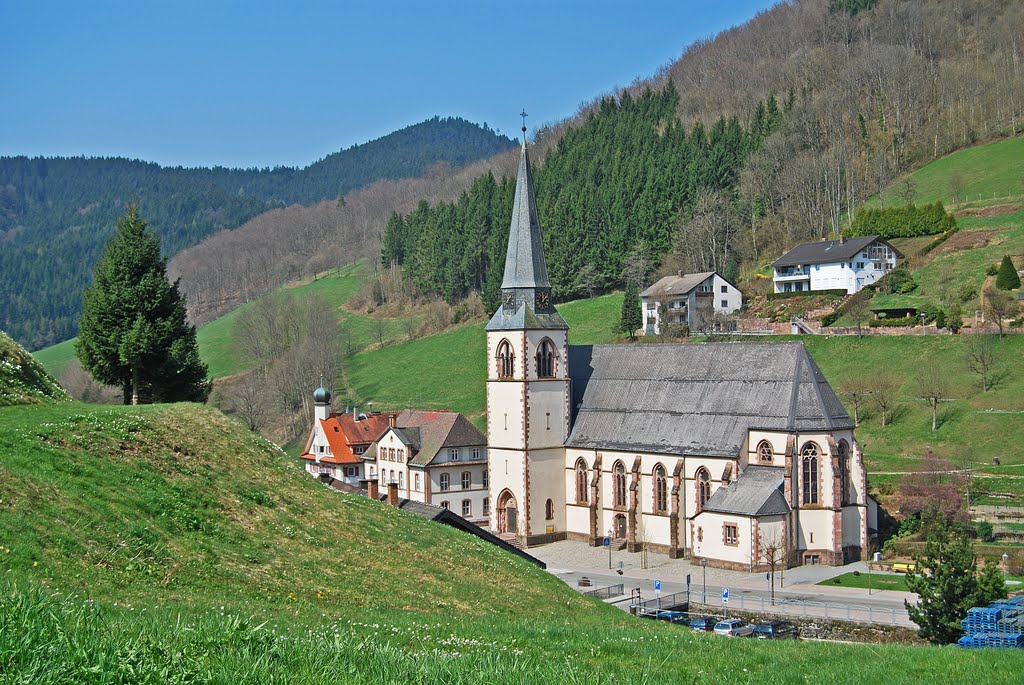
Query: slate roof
756, 492
524, 262
677, 285
696, 399
525, 318
826, 251
428, 432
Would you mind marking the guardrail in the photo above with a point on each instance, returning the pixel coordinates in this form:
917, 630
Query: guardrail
607, 592
653, 606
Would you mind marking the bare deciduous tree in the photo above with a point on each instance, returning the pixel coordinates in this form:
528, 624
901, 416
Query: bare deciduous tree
883, 388
856, 391
932, 386
81, 385
1000, 306
981, 355
773, 550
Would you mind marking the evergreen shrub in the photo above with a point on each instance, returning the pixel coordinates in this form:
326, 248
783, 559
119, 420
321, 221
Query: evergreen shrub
1006, 277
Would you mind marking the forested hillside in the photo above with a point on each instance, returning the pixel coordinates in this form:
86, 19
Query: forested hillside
615, 185
56, 213
867, 90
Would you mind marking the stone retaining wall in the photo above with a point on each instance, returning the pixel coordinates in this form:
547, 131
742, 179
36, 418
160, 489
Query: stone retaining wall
815, 628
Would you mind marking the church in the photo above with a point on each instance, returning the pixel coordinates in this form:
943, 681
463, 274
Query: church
737, 453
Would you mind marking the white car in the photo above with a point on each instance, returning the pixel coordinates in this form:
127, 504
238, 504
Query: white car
734, 627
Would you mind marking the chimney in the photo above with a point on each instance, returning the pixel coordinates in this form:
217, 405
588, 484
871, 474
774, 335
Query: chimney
393, 494
355, 413
393, 420
680, 273
842, 239
372, 488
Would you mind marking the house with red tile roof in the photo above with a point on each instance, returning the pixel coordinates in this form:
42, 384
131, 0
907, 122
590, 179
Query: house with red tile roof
435, 457
337, 442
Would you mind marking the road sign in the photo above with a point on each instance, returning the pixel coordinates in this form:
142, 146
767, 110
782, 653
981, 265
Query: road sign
657, 586
687, 580
607, 541
725, 595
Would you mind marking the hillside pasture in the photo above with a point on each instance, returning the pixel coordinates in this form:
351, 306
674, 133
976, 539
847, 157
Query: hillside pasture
167, 544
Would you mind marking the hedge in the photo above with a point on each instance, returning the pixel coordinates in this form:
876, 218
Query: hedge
902, 222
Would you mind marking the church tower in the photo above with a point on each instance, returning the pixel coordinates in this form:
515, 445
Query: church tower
527, 384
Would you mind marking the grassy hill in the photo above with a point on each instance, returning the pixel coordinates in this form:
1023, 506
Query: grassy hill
984, 187
167, 544
23, 380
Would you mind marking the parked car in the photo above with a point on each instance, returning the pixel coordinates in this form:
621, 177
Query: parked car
671, 616
776, 630
702, 623
734, 627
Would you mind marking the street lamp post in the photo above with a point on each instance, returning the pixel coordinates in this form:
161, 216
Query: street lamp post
704, 591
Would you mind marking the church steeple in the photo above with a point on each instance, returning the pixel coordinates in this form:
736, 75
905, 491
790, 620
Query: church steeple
525, 266
525, 287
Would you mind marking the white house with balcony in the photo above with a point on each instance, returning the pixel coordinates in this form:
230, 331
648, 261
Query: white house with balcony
844, 264
689, 300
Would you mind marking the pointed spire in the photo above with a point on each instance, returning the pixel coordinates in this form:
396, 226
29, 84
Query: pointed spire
525, 288
525, 266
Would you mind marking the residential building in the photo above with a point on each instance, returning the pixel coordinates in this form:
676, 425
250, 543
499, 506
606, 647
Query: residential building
690, 300
337, 442
435, 457
844, 264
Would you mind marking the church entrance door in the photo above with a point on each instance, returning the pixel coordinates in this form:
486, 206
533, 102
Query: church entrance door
620, 527
507, 514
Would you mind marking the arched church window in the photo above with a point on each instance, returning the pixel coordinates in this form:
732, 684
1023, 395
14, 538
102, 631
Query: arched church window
506, 360
546, 359
703, 488
581, 482
660, 490
809, 458
844, 472
764, 452
619, 478
549, 510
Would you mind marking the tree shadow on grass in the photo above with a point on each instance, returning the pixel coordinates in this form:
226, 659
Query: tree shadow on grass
950, 413
896, 414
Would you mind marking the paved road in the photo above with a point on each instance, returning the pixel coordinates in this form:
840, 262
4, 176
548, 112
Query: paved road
796, 591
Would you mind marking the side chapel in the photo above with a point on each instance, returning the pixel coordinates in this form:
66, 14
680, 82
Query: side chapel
731, 452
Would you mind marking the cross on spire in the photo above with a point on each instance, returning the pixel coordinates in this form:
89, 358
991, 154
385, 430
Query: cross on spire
523, 114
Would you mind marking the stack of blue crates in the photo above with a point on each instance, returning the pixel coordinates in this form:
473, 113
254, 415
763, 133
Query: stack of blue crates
999, 625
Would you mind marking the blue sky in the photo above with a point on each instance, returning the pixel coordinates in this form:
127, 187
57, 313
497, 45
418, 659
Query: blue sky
265, 83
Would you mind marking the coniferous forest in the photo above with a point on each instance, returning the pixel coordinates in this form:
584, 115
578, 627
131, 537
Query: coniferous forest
618, 183
57, 213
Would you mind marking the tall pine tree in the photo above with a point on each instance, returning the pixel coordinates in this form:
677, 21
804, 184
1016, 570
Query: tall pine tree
632, 314
946, 582
133, 332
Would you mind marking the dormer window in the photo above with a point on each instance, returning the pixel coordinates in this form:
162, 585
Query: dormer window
506, 360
